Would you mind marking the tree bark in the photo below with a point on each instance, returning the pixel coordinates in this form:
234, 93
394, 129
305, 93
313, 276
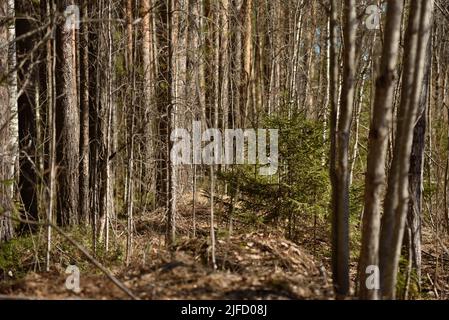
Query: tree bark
340, 230
6, 229
377, 147
163, 96
150, 123
12, 91
397, 197
27, 85
84, 101
334, 90
414, 211
248, 59
130, 116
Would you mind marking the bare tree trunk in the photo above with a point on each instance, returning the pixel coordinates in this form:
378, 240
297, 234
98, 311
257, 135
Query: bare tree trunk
163, 94
108, 204
327, 98
84, 101
340, 230
130, 195
95, 117
238, 72
201, 87
12, 90
397, 197
150, 123
333, 88
446, 180
248, 59
416, 172
225, 61
67, 124
130, 116
377, 148
6, 152
212, 218
27, 82
276, 57
51, 118
357, 114
169, 107
196, 57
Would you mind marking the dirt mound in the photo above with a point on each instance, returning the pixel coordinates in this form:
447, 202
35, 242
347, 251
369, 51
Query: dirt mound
249, 265
51, 285
252, 266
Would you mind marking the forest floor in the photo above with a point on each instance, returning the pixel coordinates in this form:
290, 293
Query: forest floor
252, 263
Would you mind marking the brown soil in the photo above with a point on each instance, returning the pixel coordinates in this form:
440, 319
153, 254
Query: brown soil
250, 265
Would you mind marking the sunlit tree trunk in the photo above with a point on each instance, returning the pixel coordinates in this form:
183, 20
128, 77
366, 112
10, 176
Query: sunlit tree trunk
248, 59
237, 65
333, 90
6, 230
397, 197
12, 89
340, 220
84, 101
150, 123
163, 95
130, 113
377, 148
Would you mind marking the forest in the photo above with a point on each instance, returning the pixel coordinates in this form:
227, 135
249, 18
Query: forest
224, 149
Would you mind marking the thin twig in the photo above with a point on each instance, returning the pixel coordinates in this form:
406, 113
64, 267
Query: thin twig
83, 250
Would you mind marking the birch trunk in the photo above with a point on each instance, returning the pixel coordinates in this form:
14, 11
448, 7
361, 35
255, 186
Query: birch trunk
6, 155
12, 90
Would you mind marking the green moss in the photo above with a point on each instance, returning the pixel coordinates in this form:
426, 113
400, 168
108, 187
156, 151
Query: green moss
402, 279
13, 256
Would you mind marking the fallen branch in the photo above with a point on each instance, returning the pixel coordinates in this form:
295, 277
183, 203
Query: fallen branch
434, 257
83, 250
433, 286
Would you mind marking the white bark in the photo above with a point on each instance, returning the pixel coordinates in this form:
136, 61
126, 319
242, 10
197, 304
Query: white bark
12, 90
